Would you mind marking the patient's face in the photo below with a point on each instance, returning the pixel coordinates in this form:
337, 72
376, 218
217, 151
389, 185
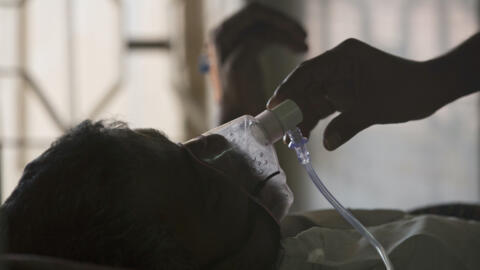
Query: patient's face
214, 213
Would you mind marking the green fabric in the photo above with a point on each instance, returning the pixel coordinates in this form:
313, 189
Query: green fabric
413, 242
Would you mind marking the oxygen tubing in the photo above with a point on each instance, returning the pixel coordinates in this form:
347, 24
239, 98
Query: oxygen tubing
298, 143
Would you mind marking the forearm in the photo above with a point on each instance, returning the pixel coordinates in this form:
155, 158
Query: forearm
458, 71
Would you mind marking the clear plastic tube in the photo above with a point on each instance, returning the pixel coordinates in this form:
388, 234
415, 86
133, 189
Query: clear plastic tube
298, 142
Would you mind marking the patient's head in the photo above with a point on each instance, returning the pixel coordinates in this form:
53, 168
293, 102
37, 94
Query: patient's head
107, 194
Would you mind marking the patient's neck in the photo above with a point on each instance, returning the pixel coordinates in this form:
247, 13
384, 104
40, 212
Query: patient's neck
261, 250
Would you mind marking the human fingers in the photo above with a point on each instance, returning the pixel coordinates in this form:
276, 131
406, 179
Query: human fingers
343, 127
307, 92
336, 65
313, 109
341, 95
309, 82
316, 71
322, 103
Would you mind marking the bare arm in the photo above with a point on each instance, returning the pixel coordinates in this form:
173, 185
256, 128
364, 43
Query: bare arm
459, 70
368, 86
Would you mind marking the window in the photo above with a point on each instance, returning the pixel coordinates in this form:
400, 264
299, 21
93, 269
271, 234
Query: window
407, 165
63, 61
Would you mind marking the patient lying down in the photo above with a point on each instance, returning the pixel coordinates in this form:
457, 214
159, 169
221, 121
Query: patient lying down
109, 195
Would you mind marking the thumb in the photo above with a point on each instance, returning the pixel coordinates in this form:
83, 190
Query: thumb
343, 127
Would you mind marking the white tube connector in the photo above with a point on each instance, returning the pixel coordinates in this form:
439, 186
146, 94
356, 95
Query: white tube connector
277, 121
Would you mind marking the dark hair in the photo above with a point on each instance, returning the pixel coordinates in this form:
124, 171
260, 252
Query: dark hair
75, 202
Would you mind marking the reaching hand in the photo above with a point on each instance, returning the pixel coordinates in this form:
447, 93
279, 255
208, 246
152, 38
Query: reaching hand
234, 51
367, 86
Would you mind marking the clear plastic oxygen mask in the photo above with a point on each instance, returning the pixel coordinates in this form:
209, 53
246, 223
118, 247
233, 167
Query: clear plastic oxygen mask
251, 139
